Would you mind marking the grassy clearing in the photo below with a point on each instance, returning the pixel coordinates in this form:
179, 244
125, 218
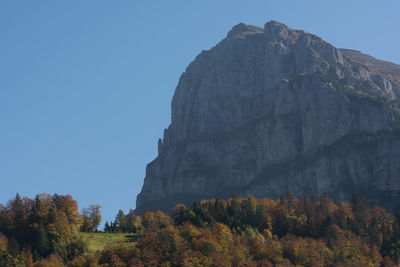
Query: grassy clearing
98, 241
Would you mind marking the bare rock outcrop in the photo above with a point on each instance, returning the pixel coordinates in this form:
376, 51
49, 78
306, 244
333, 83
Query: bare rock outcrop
274, 109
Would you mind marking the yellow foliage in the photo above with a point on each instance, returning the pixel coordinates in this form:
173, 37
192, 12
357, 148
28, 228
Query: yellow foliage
3, 242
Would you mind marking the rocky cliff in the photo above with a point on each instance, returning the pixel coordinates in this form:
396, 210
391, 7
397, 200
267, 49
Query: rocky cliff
271, 109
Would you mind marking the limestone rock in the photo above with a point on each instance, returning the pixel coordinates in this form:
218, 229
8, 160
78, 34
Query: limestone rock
271, 109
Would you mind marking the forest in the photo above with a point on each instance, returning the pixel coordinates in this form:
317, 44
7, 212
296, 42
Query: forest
48, 231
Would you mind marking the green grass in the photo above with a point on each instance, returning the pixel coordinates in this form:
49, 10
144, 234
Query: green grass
98, 241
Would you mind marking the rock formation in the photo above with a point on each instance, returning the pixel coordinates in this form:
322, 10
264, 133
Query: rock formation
275, 109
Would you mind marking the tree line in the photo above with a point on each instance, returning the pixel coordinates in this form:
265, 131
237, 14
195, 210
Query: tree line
234, 232
34, 229
262, 232
124, 223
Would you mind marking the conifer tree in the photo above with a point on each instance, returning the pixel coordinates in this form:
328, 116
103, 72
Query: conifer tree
131, 222
120, 221
42, 244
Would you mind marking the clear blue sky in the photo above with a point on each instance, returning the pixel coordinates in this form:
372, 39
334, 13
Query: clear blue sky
86, 86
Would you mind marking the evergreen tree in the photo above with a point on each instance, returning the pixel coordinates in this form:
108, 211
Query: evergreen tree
131, 222
42, 242
57, 200
106, 227
289, 196
120, 222
360, 211
19, 227
112, 227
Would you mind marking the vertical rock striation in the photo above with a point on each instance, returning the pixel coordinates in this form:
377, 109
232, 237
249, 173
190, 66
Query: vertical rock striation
271, 109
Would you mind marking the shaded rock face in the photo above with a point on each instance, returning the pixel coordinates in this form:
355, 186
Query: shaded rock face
274, 109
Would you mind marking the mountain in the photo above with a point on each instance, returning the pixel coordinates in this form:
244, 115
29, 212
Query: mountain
274, 109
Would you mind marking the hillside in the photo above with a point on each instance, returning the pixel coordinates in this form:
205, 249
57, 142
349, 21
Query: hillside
98, 241
236, 232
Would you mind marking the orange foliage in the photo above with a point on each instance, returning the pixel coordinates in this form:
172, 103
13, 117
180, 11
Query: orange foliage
51, 261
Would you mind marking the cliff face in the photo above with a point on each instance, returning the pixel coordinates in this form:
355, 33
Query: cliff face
267, 110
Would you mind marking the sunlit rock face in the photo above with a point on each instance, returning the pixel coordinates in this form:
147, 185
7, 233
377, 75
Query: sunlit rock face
274, 109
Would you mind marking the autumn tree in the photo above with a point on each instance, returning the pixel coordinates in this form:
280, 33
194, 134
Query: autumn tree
91, 218
35, 229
